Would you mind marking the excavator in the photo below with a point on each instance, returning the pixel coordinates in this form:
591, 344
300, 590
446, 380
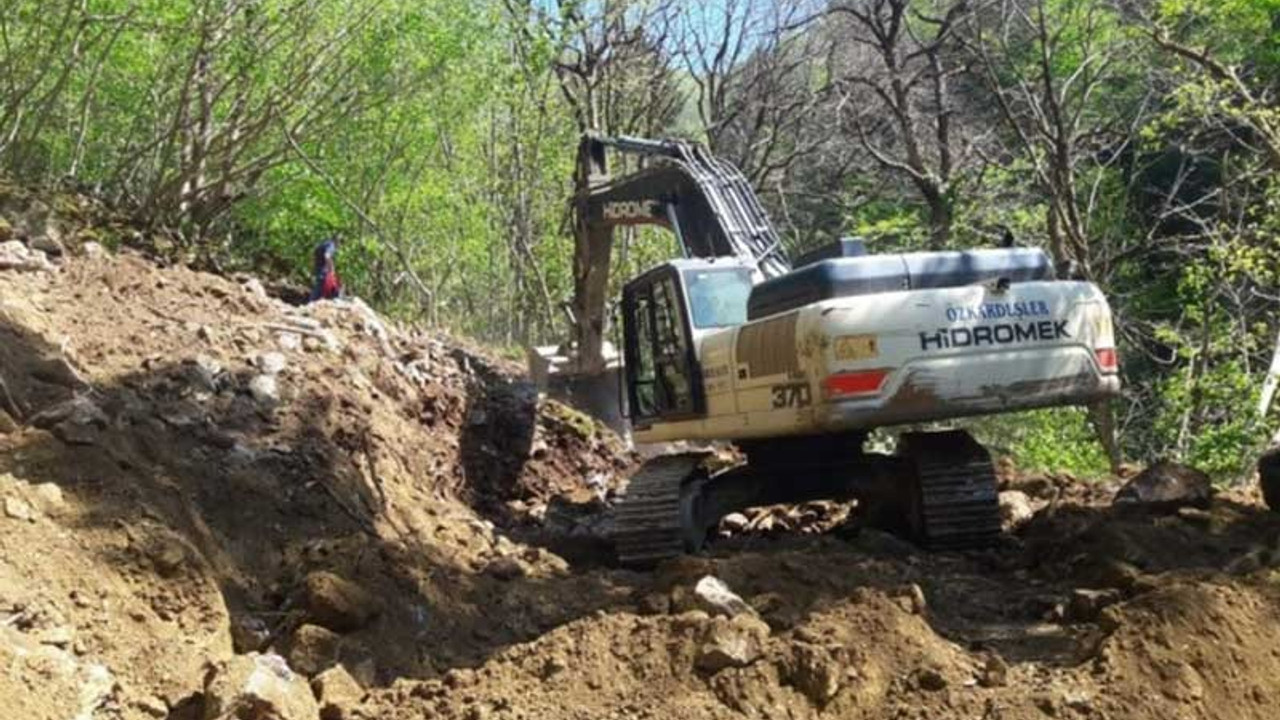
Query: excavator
796, 362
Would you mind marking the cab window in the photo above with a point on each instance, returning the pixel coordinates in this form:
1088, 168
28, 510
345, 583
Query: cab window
718, 298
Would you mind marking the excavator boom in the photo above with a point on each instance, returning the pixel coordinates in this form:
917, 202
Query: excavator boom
706, 203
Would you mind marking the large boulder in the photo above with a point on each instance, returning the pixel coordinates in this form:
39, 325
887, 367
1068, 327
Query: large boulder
1167, 486
258, 687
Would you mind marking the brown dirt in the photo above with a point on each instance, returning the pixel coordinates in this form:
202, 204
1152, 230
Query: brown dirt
192, 515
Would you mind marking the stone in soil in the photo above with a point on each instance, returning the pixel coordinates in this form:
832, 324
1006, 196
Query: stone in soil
736, 642
313, 649
337, 604
258, 687
1015, 508
814, 672
715, 597
1167, 486
336, 691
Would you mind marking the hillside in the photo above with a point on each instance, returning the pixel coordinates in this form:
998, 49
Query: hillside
212, 498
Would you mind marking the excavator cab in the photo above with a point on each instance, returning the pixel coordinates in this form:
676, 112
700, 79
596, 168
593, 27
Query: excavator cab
664, 311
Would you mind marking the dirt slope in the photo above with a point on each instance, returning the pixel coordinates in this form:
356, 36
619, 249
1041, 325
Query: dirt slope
191, 471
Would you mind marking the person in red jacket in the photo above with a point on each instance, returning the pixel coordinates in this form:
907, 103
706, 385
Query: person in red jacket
325, 283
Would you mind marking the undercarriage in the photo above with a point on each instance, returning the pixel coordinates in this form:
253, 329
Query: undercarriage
939, 490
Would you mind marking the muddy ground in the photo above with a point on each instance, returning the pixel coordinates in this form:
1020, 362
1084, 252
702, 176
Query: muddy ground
195, 476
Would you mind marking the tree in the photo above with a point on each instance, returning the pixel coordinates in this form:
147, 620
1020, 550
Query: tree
906, 120
1061, 75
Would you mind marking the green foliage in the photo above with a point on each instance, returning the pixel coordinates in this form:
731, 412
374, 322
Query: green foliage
439, 138
1059, 439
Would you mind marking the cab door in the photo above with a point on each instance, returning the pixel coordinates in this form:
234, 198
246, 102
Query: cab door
663, 379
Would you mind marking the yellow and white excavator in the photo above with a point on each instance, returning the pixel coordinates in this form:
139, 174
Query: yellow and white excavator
795, 363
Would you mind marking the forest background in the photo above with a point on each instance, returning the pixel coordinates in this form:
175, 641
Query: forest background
1139, 139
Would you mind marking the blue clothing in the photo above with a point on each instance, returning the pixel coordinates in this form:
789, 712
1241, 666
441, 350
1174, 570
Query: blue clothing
324, 252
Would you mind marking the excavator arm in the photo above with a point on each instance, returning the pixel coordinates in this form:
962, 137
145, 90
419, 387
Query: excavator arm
706, 203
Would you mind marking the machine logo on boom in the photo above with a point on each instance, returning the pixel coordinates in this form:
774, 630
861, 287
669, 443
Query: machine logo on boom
632, 210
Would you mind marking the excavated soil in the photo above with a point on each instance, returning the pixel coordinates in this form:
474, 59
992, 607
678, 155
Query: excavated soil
189, 468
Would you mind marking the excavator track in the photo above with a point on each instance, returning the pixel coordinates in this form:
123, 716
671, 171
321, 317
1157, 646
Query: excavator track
953, 502
651, 522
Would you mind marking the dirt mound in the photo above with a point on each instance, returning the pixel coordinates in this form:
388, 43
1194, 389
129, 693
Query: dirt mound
201, 485
215, 447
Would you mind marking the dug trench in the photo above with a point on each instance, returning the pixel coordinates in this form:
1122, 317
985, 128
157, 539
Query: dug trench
196, 476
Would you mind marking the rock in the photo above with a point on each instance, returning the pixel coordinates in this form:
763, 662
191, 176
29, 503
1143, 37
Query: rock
505, 568
716, 598
337, 604
65, 686
152, 706
1167, 486
264, 389
257, 687
1079, 700
18, 509
76, 409
167, 553
49, 242
59, 636
735, 642
57, 370
1086, 605
931, 679
77, 421
16, 256
93, 250
336, 690
255, 288
49, 499
1015, 508
734, 522
248, 634
918, 604
814, 673
289, 341
995, 672
204, 372
313, 649
1200, 518
8, 425
270, 363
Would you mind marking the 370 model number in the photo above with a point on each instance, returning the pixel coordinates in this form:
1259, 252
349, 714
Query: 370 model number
795, 395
